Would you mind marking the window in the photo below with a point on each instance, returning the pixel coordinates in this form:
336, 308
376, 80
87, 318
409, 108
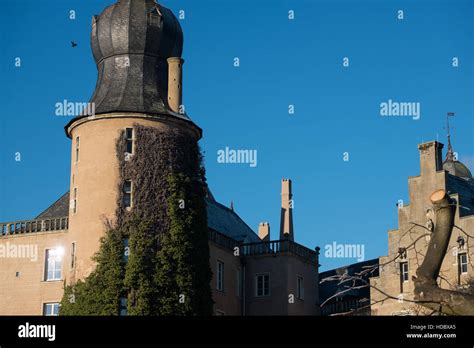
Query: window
129, 138
74, 201
239, 283
404, 271
126, 250
154, 18
403, 274
262, 285
51, 309
220, 276
299, 287
73, 254
127, 194
77, 149
123, 306
54, 258
462, 263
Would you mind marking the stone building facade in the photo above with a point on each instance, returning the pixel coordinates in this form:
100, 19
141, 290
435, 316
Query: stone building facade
392, 290
137, 47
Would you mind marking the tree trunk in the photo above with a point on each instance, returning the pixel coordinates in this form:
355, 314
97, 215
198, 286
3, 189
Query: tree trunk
426, 287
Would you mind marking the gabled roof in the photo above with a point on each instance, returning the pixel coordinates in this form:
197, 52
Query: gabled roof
219, 218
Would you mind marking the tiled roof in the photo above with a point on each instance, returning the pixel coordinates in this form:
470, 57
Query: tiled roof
219, 218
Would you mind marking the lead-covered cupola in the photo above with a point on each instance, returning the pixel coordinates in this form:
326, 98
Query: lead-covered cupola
131, 42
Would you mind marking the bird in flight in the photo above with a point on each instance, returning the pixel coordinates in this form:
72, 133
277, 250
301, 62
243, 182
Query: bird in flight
73, 44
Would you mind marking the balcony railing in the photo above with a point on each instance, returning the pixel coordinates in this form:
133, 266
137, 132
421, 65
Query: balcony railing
222, 240
32, 226
276, 247
273, 247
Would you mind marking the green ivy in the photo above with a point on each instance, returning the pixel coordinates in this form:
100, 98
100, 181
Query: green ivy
168, 271
100, 293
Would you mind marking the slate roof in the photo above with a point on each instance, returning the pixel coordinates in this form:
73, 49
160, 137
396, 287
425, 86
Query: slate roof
226, 221
131, 41
124, 29
60, 208
219, 218
465, 189
329, 288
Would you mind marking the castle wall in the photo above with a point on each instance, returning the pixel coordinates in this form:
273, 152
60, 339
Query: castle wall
226, 302
25, 293
283, 270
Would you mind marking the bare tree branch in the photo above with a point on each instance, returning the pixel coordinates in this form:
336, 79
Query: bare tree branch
426, 286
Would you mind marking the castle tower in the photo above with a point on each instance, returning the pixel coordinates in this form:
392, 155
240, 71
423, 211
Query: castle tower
286, 220
137, 46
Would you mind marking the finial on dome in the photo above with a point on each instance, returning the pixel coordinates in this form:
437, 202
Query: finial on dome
451, 164
450, 152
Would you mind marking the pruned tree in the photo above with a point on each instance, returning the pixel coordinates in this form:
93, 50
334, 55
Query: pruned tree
427, 292
426, 285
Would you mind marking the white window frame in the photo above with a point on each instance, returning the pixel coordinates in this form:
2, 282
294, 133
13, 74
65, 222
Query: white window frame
263, 275
49, 254
461, 264
52, 306
403, 272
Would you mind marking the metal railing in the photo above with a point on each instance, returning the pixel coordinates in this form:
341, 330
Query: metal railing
32, 226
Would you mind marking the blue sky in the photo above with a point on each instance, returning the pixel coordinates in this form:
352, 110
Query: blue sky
282, 62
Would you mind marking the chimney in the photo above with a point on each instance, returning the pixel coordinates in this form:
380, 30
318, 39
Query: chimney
430, 157
175, 83
264, 231
286, 222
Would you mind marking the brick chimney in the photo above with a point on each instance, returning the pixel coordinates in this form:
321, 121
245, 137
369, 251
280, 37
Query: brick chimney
286, 221
264, 231
430, 157
175, 81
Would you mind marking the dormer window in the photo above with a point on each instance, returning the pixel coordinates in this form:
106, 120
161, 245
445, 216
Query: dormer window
154, 17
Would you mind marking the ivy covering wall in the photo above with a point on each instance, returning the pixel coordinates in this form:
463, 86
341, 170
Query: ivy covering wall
166, 269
